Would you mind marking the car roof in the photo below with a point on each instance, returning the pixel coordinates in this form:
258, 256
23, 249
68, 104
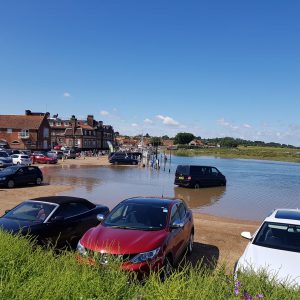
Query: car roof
284, 215
152, 200
64, 200
202, 166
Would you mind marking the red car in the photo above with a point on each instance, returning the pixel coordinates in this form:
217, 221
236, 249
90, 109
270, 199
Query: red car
43, 159
146, 233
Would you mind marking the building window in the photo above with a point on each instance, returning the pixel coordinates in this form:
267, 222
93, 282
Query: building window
9, 130
58, 123
15, 143
66, 123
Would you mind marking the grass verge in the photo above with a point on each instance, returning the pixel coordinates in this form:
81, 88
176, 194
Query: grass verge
29, 272
252, 152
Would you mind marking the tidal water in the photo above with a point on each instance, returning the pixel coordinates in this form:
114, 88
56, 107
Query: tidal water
254, 188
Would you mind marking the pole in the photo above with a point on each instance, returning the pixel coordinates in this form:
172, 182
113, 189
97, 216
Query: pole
170, 161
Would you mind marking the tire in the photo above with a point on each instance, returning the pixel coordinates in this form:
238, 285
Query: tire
197, 186
167, 269
10, 184
38, 181
190, 244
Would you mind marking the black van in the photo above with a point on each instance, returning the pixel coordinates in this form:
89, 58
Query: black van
198, 176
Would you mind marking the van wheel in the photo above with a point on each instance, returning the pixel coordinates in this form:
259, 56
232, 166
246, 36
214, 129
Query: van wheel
38, 181
10, 184
197, 186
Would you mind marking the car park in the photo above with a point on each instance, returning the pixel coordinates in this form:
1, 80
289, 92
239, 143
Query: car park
21, 159
274, 248
5, 160
146, 233
43, 159
59, 220
20, 175
198, 176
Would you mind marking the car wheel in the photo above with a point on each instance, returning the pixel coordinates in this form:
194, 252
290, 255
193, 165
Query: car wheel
38, 181
167, 269
190, 243
197, 186
10, 184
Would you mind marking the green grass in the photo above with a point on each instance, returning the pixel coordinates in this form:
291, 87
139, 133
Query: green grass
252, 152
29, 272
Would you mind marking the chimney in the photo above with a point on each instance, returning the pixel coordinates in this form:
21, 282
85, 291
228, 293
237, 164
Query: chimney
90, 120
73, 123
100, 123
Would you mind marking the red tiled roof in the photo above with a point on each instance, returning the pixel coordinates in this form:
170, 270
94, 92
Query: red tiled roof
21, 122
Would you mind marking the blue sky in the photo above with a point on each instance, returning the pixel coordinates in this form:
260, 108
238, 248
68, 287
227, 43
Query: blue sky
213, 68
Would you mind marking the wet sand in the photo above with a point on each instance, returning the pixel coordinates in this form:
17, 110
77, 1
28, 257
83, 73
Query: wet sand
216, 238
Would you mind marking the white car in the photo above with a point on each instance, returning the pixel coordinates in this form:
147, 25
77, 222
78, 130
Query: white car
21, 159
274, 248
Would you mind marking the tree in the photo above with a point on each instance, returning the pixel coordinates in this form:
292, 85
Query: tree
183, 138
165, 137
155, 141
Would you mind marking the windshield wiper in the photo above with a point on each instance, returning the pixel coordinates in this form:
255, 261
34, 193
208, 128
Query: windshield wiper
122, 227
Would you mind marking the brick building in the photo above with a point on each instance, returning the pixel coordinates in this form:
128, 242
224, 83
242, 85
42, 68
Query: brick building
30, 131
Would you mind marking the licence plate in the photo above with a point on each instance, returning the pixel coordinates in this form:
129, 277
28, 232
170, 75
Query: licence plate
181, 177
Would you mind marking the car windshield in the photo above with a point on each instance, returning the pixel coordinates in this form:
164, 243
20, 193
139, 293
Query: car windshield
3, 154
279, 236
137, 216
31, 211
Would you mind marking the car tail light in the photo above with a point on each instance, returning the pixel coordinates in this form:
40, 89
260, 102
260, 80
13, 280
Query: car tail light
189, 178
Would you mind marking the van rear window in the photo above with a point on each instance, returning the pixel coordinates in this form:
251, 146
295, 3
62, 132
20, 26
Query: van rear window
184, 170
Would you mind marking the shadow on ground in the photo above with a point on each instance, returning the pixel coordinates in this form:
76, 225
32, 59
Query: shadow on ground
204, 254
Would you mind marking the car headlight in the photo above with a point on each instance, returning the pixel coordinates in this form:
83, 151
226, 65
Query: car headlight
2, 178
141, 257
81, 249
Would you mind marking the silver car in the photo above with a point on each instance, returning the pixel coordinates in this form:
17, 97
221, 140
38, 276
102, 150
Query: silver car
5, 160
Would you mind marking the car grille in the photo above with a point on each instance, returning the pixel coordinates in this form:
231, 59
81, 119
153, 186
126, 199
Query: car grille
106, 258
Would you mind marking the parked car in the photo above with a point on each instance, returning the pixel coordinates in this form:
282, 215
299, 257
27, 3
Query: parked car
20, 175
198, 176
123, 158
21, 159
57, 153
43, 159
274, 248
147, 233
71, 153
60, 220
5, 160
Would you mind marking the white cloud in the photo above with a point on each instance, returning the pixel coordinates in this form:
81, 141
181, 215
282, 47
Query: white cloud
168, 120
104, 113
67, 94
134, 125
226, 124
148, 121
247, 126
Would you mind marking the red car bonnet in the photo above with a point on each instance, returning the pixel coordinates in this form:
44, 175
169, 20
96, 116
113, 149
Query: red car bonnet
122, 241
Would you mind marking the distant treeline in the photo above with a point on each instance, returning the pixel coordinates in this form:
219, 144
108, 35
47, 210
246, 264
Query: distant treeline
232, 143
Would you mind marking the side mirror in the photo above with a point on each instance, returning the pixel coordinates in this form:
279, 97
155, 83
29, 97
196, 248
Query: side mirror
58, 219
247, 235
177, 224
100, 217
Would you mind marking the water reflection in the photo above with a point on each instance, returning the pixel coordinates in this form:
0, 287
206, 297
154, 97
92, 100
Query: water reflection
197, 198
254, 188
